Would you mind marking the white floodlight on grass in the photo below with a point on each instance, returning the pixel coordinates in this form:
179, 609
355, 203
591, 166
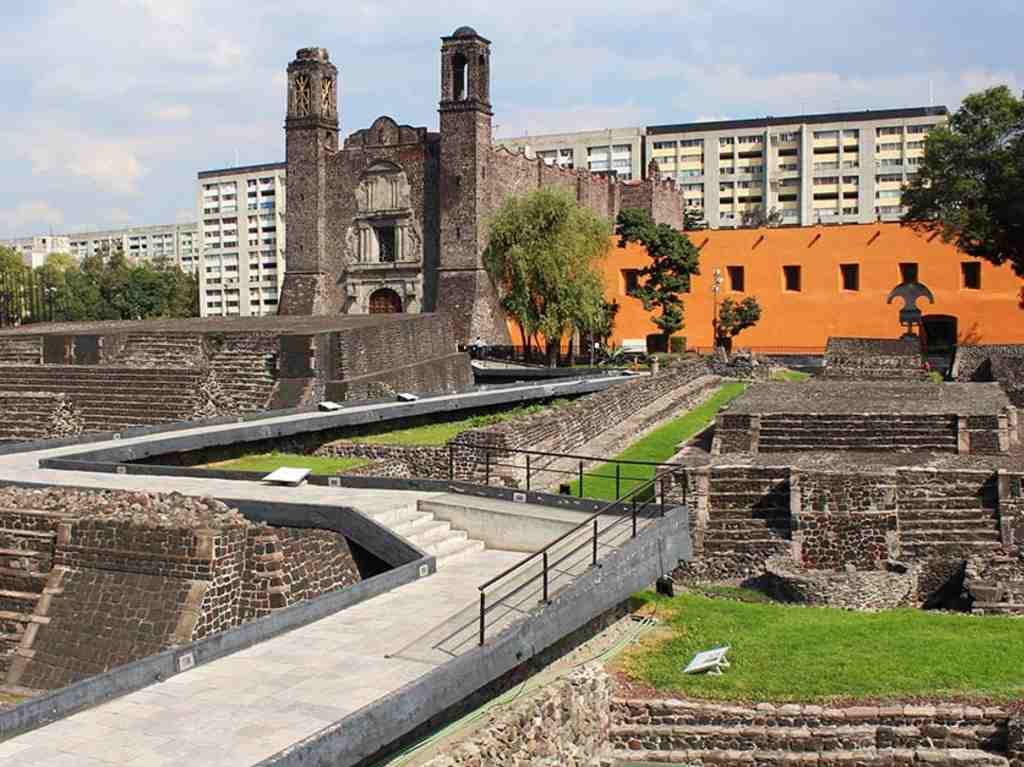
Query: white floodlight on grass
406, 397
328, 405
287, 476
710, 661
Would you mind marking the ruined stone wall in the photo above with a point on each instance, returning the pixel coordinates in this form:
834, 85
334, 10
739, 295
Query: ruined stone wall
879, 589
883, 734
1009, 372
874, 359
421, 461
242, 369
103, 578
570, 427
21, 350
392, 344
442, 375
37, 415
660, 198
973, 362
566, 724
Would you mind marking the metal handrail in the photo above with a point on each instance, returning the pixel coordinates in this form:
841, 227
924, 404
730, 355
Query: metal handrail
545, 454
592, 541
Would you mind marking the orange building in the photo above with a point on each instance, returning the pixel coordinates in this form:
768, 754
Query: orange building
822, 281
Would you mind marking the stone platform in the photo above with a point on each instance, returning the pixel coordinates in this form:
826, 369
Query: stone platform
868, 416
98, 376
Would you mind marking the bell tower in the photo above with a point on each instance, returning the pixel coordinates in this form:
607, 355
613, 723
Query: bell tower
464, 289
311, 132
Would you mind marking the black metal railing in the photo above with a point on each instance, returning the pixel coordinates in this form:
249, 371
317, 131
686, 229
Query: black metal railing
538, 577
538, 469
25, 297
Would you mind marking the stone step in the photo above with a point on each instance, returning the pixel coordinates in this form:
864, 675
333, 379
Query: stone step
997, 608
859, 758
951, 504
412, 525
19, 596
922, 549
947, 534
22, 580
804, 738
447, 550
5, 552
435, 532
854, 448
38, 534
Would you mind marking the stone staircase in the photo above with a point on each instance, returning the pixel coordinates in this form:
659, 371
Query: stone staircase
748, 512
245, 373
161, 350
21, 351
960, 520
424, 530
694, 733
27, 542
999, 589
793, 432
111, 398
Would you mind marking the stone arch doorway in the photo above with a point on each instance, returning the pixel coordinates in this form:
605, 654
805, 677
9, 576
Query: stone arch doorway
385, 301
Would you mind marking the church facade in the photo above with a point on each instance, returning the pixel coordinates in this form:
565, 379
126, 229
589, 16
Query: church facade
394, 219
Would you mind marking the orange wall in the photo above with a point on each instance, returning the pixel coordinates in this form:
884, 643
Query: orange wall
805, 320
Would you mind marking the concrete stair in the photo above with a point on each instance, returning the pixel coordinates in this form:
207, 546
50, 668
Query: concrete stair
790, 433
425, 531
26, 557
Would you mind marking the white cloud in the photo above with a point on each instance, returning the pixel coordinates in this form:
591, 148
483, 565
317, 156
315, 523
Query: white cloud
32, 215
171, 112
113, 165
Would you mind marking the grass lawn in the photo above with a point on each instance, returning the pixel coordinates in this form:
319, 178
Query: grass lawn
267, 462
440, 433
793, 376
657, 447
782, 653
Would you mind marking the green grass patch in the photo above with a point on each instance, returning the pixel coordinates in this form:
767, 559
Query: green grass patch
268, 462
792, 376
782, 653
657, 447
440, 433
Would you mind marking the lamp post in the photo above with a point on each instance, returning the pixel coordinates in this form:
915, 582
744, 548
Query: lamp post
716, 288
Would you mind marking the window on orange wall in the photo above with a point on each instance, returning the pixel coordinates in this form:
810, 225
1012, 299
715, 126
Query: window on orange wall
851, 276
908, 272
630, 280
736, 279
791, 275
970, 272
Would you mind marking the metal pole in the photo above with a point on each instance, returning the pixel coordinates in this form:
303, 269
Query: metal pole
662, 483
634, 519
595, 541
451, 462
528, 489
618, 480
545, 576
581, 479
483, 613
487, 467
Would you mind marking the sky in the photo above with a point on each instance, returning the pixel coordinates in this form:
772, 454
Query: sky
111, 107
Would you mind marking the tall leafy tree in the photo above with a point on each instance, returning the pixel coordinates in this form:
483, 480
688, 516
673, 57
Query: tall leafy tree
11, 260
970, 187
543, 254
733, 318
674, 261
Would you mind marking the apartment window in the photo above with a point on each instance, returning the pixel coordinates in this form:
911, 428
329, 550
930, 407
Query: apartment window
850, 180
725, 142
826, 180
919, 128
751, 139
791, 276
971, 273
692, 142
664, 144
735, 278
630, 280
908, 272
890, 131
826, 134
792, 136
851, 276
888, 178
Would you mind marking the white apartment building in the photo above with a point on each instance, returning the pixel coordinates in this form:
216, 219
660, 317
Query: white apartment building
175, 243
844, 167
618, 149
34, 250
242, 230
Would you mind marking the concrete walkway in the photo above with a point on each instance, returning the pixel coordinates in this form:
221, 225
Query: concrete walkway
250, 705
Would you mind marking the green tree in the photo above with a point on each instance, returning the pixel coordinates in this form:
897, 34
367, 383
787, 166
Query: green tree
970, 186
543, 254
693, 220
11, 260
735, 317
674, 261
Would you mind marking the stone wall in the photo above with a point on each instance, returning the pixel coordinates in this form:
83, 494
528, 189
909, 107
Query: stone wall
571, 427
404, 461
874, 359
974, 362
1009, 372
38, 415
443, 375
698, 732
565, 724
880, 589
103, 578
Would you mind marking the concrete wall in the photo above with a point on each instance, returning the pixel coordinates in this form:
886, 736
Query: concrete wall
804, 321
